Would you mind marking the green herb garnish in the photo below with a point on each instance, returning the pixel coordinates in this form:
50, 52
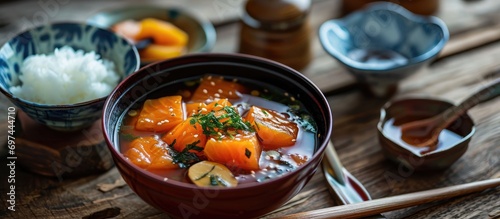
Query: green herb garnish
212, 125
128, 136
248, 153
185, 158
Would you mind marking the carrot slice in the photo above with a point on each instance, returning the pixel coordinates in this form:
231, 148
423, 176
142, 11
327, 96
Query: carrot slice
149, 153
212, 88
240, 152
160, 115
156, 52
185, 134
162, 32
273, 128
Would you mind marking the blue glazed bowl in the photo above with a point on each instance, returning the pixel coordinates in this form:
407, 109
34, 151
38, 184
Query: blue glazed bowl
44, 40
383, 43
201, 32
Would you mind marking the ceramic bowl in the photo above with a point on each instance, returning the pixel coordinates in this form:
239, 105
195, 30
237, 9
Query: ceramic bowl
422, 158
201, 32
383, 43
181, 199
44, 40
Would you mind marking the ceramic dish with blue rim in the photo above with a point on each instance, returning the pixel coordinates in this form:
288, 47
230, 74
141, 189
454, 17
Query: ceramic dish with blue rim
383, 43
44, 40
201, 32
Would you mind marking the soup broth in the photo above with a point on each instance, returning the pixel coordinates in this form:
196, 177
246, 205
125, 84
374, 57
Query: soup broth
273, 160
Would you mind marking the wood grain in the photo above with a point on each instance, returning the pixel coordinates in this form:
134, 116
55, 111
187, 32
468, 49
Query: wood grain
355, 119
372, 207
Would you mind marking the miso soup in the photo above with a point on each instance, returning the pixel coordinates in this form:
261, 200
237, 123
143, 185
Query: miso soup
216, 131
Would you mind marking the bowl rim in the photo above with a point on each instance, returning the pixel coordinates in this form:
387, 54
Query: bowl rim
383, 115
207, 26
392, 8
158, 179
73, 105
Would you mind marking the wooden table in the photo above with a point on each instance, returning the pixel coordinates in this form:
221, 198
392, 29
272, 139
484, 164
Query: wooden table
355, 114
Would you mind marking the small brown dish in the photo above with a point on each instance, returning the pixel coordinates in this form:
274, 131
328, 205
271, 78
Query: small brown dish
453, 142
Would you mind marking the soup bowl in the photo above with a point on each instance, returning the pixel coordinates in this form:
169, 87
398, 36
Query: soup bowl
184, 200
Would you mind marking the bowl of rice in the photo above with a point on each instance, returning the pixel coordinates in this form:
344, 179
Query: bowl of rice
60, 74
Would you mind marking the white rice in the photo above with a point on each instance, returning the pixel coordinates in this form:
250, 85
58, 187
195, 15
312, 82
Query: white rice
65, 77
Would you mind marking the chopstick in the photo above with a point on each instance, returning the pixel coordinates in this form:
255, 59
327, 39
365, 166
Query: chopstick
377, 206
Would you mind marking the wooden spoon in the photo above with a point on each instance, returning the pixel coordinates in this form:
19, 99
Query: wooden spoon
422, 133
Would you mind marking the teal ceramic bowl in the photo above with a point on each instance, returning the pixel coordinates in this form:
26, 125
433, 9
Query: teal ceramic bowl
201, 32
383, 43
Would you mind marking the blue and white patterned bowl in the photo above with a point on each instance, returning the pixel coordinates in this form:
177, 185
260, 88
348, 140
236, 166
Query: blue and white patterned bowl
44, 40
384, 42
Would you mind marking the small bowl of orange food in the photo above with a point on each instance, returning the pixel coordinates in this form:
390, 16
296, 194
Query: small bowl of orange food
244, 134
159, 33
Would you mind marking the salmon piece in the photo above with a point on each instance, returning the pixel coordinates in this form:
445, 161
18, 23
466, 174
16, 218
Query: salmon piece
128, 28
155, 52
241, 152
194, 108
203, 108
212, 88
185, 134
150, 154
160, 115
162, 32
273, 128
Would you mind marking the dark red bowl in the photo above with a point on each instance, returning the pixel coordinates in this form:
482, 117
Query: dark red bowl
183, 200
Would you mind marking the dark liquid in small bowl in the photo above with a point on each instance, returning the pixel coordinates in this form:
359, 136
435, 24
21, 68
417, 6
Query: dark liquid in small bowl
392, 130
453, 141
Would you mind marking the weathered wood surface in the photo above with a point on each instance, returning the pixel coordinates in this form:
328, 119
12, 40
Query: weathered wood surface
355, 114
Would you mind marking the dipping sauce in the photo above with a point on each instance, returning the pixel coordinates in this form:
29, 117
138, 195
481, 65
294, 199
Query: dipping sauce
446, 139
201, 133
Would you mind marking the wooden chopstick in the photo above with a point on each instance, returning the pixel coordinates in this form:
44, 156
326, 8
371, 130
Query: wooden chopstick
377, 206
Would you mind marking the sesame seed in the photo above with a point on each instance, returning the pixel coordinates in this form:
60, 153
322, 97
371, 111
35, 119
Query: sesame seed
165, 179
286, 94
205, 91
132, 113
220, 91
292, 98
196, 135
212, 83
184, 133
294, 140
230, 93
217, 95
